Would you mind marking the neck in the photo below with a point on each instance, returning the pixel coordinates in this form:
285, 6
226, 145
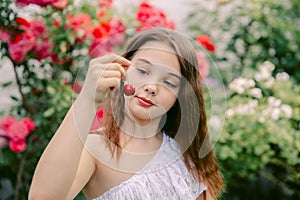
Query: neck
140, 130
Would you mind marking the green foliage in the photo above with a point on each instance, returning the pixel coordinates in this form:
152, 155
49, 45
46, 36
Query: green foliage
248, 33
45, 97
49, 51
261, 136
261, 133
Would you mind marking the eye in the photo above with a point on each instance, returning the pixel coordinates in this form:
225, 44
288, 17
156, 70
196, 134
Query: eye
142, 71
170, 84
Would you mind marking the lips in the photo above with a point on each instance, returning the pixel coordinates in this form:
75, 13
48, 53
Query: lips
145, 102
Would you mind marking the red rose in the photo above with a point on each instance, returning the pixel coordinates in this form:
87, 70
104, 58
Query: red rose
17, 145
205, 41
23, 22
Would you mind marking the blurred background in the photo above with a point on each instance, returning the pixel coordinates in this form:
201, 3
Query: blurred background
249, 61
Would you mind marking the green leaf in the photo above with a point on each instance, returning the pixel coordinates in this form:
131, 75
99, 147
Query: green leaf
49, 112
6, 84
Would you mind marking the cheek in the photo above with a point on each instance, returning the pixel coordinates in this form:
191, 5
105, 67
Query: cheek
168, 99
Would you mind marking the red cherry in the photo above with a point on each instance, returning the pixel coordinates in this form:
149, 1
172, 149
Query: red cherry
128, 90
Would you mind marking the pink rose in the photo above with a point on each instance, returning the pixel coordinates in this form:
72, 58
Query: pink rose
203, 64
4, 35
150, 17
105, 3
60, 4
116, 35
6, 122
43, 3
17, 145
17, 130
43, 49
38, 28
99, 47
28, 123
20, 46
81, 25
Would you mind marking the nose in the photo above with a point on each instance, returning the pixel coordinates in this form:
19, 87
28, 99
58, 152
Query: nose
151, 89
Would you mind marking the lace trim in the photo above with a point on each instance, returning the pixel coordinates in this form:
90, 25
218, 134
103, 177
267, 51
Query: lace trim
164, 177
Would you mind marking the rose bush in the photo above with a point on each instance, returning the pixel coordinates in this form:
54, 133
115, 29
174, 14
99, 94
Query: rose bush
47, 47
46, 50
258, 147
14, 132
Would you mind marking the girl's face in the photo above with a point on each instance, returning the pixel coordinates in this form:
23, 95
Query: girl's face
155, 74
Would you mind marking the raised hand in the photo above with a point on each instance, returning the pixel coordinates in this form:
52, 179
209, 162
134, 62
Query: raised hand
104, 73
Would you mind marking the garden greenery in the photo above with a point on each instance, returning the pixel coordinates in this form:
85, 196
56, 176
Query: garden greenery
257, 53
47, 44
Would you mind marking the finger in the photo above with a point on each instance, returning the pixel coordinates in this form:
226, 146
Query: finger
111, 74
111, 58
109, 83
116, 67
122, 61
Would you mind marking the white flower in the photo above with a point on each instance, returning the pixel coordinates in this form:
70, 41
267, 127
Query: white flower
66, 75
215, 122
262, 75
229, 113
269, 66
256, 92
274, 102
249, 83
252, 104
277, 102
261, 119
239, 85
283, 76
275, 114
287, 110
265, 71
269, 82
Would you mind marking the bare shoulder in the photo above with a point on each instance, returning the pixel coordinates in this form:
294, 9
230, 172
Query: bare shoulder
96, 145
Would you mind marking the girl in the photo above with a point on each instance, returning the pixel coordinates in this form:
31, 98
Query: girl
152, 144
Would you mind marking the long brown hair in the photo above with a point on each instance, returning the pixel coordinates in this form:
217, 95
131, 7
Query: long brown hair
186, 120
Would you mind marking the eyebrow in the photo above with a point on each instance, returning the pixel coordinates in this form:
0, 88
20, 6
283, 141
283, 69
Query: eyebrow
151, 64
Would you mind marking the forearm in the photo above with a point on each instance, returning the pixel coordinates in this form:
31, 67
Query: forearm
58, 165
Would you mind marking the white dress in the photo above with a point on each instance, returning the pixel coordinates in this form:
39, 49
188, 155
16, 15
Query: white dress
165, 177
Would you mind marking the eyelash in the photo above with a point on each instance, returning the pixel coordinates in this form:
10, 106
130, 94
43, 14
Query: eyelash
142, 72
169, 84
